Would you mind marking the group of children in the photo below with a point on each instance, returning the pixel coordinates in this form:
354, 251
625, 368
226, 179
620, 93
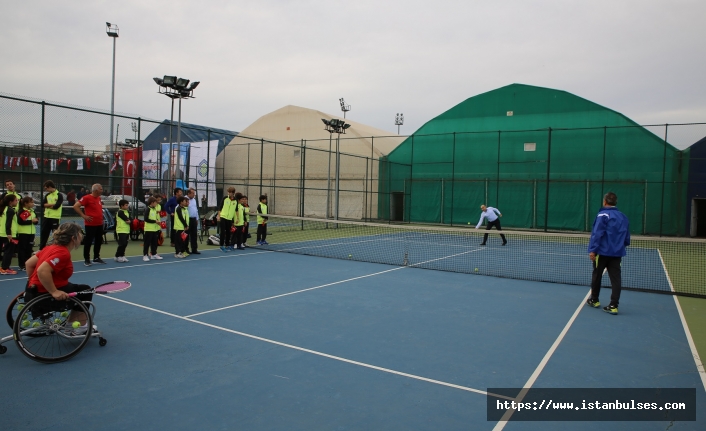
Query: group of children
17, 230
234, 219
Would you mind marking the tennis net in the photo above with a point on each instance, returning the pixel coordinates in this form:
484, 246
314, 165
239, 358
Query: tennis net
666, 265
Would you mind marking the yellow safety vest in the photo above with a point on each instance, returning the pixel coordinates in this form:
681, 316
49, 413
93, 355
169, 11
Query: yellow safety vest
152, 227
177, 223
240, 219
260, 218
27, 228
228, 210
51, 212
246, 214
3, 219
121, 226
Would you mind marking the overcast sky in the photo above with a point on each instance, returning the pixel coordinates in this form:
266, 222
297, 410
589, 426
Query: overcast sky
645, 59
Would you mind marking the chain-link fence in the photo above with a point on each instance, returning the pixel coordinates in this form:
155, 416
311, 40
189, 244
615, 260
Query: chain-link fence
549, 179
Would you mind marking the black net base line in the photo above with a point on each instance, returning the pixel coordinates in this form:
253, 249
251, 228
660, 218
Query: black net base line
663, 265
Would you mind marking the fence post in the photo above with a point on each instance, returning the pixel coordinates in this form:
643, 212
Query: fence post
208, 167
411, 183
664, 173
605, 133
549, 161
139, 186
453, 178
262, 156
41, 163
497, 190
274, 182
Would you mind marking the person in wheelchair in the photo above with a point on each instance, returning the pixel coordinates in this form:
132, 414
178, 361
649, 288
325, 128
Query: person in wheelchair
49, 271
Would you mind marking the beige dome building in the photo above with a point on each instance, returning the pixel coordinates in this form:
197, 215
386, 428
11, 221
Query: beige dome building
285, 154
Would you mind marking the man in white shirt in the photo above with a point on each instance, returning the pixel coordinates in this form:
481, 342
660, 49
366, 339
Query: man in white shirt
493, 215
193, 221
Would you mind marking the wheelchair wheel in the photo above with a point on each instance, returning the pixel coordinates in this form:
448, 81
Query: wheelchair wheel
16, 305
44, 333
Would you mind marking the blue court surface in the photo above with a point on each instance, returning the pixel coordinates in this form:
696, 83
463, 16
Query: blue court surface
259, 340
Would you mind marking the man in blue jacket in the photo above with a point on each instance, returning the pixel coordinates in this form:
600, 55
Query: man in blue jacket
610, 236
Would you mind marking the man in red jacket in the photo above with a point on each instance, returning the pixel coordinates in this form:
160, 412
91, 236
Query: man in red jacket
92, 215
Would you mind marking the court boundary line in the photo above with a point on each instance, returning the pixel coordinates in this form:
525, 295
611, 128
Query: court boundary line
689, 339
315, 352
540, 367
326, 285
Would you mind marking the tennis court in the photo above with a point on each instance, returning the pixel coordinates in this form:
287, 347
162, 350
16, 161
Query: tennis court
266, 340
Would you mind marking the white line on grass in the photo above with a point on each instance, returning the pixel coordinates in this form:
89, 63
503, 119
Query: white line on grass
687, 332
506, 417
314, 352
324, 285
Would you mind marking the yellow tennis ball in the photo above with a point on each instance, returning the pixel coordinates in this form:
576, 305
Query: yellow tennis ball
57, 320
476, 269
20, 306
25, 323
75, 325
35, 325
469, 222
349, 256
64, 314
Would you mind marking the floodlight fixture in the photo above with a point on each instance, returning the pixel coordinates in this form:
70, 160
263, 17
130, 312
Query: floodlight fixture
112, 29
399, 120
345, 126
345, 108
159, 81
181, 83
193, 85
169, 81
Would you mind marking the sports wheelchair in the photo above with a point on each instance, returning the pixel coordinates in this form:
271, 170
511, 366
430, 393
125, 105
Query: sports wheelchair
42, 330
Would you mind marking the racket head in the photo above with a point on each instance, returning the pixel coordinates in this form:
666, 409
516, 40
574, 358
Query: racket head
112, 287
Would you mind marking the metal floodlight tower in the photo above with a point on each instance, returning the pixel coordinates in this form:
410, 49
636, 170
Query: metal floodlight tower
175, 88
345, 108
339, 127
113, 31
399, 120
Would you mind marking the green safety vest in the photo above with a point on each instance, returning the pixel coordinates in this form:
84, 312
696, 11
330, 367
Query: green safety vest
13, 229
121, 226
51, 212
228, 211
263, 208
241, 219
246, 214
159, 209
27, 228
177, 223
153, 227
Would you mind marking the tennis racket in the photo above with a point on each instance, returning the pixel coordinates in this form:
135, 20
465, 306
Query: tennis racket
106, 288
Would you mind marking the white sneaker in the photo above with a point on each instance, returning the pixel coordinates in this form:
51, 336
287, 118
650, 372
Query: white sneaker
82, 330
179, 256
125, 259
145, 258
157, 257
117, 259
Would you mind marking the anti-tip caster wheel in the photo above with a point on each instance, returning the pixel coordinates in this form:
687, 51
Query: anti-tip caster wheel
3, 349
102, 341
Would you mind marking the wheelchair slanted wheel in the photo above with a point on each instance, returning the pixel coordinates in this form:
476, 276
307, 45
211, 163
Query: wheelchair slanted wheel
102, 341
3, 349
16, 305
44, 329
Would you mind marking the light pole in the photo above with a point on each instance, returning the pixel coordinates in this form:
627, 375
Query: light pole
399, 120
113, 31
335, 126
345, 108
175, 88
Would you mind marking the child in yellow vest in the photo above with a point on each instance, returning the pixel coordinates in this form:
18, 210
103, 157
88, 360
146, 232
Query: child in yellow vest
122, 229
8, 230
181, 226
26, 231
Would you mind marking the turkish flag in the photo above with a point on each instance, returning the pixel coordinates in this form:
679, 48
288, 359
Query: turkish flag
130, 158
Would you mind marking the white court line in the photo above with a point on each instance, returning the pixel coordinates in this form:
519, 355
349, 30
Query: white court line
506, 417
314, 352
323, 285
322, 246
694, 353
152, 263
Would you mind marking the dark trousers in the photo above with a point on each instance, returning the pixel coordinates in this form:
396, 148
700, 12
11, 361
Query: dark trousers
180, 245
261, 232
8, 252
92, 233
237, 238
150, 243
225, 232
193, 231
495, 223
172, 232
613, 265
3, 241
48, 225
246, 229
24, 249
122, 244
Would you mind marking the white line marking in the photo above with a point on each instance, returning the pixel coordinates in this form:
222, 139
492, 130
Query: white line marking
506, 417
324, 285
314, 352
694, 353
